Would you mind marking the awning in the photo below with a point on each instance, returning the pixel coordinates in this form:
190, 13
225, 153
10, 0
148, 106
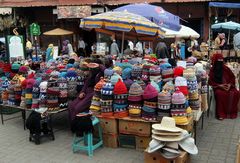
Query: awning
224, 5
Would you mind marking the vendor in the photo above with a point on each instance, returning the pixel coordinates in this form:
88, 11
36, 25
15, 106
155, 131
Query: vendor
161, 50
222, 80
114, 50
220, 41
83, 101
49, 52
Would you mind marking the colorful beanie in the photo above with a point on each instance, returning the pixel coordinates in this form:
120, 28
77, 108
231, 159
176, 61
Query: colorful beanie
181, 85
150, 92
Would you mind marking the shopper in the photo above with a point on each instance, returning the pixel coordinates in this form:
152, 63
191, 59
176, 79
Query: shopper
70, 48
220, 41
161, 50
222, 80
139, 47
49, 52
65, 48
29, 48
114, 50
81, 47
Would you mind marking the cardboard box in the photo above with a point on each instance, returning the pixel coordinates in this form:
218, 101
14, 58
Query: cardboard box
134, 127
110, 140
142, 142
127, 141
109, 125
156, 157
238, 152
189, 126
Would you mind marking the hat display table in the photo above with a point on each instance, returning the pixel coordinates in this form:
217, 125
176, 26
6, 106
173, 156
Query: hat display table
85, 143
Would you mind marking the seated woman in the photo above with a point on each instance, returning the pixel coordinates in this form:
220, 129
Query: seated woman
222, 79
83, 101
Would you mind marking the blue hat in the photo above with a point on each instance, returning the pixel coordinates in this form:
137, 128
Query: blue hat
126, 73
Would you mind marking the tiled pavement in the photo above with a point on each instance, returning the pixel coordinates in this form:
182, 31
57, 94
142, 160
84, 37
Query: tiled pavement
216, 142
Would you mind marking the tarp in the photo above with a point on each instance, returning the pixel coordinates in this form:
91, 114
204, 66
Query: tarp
224, 5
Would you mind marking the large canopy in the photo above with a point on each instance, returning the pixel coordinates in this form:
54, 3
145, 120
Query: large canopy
122, 21
184, 32
224, 5
58, 32
227, 25
153, 13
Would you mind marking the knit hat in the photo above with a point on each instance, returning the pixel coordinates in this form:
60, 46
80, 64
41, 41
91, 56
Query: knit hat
169, 87
145, 72
155, 73
107, 91
149, 92
135, 92
141, 83
155, 85
165, 66
136, 71
164, 103
23, 70
118, 70
181, 85
128, 83
178, 98
167, 74
108, 72
15, 67
126, 73
178, 71
120, 88
99, 85
114, 78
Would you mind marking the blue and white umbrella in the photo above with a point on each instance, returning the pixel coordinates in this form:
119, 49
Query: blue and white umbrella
227, 25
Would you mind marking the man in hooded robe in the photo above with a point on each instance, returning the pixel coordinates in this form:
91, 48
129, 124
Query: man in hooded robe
222, 79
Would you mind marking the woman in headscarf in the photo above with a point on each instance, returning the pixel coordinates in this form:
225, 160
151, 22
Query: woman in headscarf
83, 101
222, 79
49, 52
65, 47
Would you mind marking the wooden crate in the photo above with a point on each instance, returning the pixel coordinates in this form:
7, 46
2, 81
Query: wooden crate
110, 140
137, 127
127, 141
109, 125
142, 142
156, 157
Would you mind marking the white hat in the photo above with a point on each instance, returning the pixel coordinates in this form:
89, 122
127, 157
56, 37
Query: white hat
154, 145
180, 81
167, 124
169, 153
189, 146
156, 132
170, 138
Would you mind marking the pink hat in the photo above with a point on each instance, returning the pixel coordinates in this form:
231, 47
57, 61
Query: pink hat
178, 98
150, 92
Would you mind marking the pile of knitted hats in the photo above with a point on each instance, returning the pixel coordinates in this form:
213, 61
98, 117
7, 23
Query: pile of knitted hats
135, 100
192, 83
28, 90
136, 71
167, 72
178, 108
35, 94
167, 138
96, 103
5, 85
107, 99
72, 84
155, 73
43, 94
63, 93
18, 89
145, 72
53, 92
150, 97
164, 104
120, 104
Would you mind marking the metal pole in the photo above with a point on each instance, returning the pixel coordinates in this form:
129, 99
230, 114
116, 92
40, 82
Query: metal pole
123, 34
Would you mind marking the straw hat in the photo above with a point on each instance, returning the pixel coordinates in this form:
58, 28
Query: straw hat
164, 133
189, 146
167, 124
169, 153
154, 145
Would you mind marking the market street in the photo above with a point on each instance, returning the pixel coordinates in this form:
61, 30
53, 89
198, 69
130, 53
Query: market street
216, 143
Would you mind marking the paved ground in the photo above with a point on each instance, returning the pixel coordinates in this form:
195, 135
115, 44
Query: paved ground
217, 144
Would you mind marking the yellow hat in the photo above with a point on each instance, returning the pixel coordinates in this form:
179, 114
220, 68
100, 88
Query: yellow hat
134, 111
180, 120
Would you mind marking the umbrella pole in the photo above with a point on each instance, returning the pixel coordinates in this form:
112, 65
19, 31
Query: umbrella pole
228, 36
123, 34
